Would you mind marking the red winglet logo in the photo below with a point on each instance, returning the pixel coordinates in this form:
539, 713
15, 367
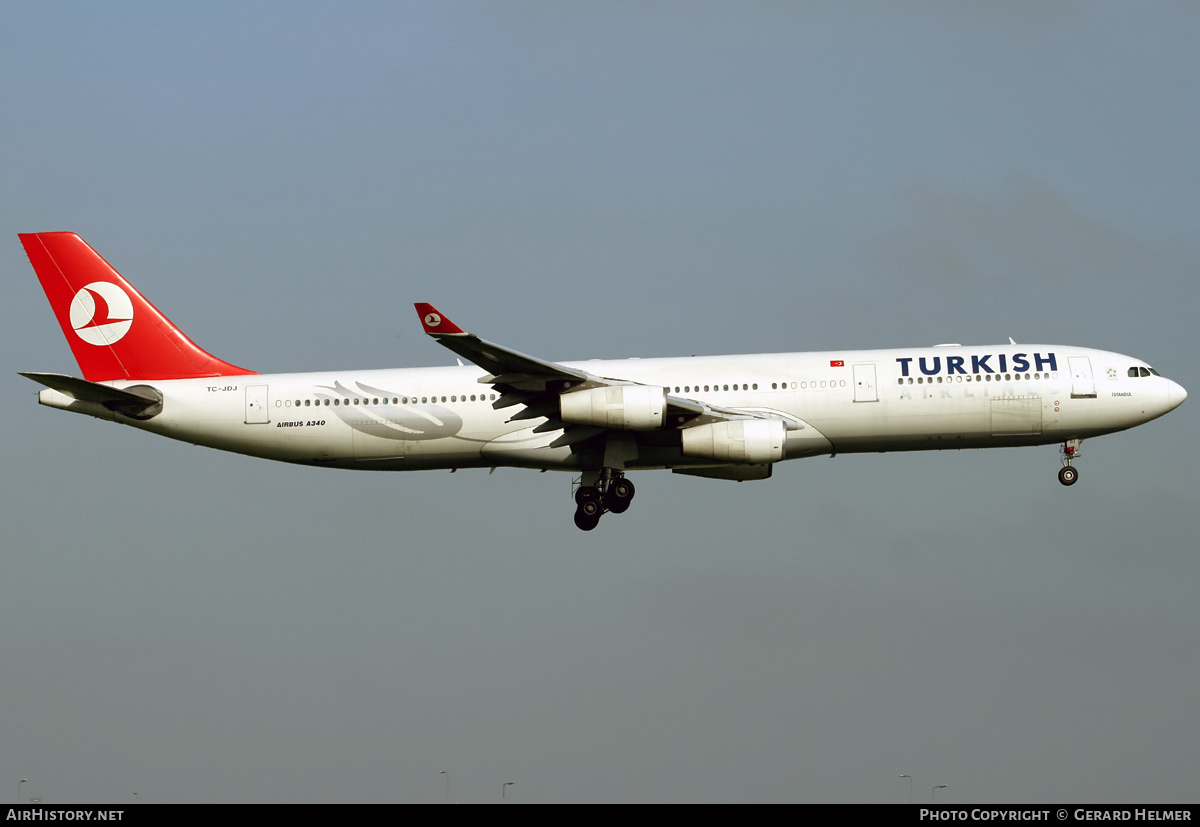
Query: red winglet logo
433, 321
837, 363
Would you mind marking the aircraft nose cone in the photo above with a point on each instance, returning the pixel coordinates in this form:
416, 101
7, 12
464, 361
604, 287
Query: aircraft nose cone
1175, 394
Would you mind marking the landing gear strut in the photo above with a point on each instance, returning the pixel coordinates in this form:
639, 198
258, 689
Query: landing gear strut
601, 491
1067, 475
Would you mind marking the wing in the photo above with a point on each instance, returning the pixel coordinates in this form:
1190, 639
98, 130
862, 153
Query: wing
581, 404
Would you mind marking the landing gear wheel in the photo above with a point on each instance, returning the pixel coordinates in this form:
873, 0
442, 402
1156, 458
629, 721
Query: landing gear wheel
587, 516
1068, 475
620, 494
586, 493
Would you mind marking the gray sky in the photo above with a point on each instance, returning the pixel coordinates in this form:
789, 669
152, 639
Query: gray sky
603, 180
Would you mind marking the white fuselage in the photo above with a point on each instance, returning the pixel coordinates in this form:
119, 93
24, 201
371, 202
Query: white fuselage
844, 401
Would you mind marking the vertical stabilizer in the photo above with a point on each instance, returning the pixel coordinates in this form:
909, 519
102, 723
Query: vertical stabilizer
114, 332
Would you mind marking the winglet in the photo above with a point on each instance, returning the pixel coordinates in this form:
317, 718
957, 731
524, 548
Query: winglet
434, 322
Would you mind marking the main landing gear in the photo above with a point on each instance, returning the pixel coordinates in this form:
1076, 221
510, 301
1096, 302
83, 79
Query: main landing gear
601, 491
1067, 475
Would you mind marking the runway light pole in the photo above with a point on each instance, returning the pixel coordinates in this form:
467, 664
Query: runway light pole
447, 774
933, 792
909, 777
504, 788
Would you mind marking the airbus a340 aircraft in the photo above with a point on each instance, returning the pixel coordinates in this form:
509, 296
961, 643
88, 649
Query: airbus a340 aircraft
724, 417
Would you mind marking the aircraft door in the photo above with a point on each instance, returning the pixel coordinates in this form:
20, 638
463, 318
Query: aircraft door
256, 405
865, 389
1082, 384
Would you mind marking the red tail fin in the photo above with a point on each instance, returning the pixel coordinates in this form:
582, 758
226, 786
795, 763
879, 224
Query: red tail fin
113, 331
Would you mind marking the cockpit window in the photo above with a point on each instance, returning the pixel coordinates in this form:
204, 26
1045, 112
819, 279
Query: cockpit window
1133, 372
1156, 373
1145, 371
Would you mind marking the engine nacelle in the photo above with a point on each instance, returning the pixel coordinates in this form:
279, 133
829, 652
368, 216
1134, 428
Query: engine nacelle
753, 441
627, 407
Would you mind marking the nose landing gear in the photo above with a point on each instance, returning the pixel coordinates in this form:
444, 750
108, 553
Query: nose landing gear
601, 491
1067, 475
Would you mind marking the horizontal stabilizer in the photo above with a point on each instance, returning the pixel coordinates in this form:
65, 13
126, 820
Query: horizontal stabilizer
138, 402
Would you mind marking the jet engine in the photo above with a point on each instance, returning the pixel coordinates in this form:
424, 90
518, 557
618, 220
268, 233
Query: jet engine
754, 441
626, 407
